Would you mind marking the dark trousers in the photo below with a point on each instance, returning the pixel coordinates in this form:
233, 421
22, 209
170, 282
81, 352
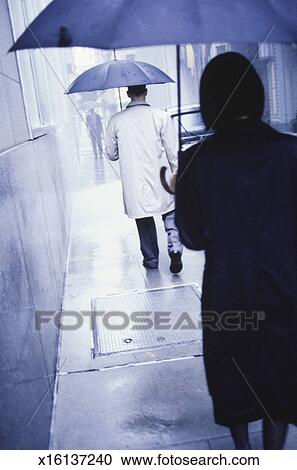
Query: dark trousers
96, 146
149, 240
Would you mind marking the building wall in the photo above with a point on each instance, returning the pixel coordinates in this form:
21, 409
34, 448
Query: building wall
37, 178
14, 129
285, 60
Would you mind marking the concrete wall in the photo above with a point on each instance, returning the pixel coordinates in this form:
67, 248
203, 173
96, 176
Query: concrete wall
36, 182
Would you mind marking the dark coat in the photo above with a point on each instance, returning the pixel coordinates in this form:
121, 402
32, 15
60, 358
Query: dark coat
237, 200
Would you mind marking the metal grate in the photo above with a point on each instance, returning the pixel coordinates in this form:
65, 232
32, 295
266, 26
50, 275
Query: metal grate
169, 316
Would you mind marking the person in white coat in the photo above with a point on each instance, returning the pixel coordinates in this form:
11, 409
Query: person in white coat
143, 138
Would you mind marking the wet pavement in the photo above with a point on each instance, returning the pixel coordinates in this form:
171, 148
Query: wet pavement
146, 399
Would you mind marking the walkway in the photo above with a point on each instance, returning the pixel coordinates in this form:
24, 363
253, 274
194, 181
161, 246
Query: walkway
133, 400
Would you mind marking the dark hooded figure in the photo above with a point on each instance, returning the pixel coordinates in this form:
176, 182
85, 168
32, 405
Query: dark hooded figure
236, 198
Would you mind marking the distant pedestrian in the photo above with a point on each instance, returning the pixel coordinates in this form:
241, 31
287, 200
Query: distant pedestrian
96, 132
144, 139
236, 198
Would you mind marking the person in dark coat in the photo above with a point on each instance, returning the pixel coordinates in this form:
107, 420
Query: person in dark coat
236, 198
95, 128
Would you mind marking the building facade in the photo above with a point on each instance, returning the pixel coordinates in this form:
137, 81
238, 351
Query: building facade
38, 163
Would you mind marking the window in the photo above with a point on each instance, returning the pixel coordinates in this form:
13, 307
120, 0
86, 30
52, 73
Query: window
273, 90
221, 49
31, 66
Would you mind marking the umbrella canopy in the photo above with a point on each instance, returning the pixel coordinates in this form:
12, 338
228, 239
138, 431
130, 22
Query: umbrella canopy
111, 24
118, 73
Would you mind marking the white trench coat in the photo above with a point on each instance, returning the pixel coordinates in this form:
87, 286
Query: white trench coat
143, 138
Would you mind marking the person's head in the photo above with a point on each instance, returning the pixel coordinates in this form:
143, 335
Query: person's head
137, 92
230, 88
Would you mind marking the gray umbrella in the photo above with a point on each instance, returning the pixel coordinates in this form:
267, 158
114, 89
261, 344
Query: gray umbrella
118, 73
111, 24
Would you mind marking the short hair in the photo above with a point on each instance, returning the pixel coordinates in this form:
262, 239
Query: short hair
137, 90
230, 88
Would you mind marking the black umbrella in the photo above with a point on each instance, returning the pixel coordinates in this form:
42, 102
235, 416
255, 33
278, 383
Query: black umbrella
116, 74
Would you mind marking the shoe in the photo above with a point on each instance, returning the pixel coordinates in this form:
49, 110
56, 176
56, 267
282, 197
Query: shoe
176, 262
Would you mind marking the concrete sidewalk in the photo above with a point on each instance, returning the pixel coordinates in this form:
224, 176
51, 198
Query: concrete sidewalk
133, 400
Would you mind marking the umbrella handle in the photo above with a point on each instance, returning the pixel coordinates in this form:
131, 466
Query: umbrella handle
120, 98
164, 181
119, 91
178, 83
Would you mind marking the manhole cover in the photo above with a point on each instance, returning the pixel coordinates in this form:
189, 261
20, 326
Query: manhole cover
155, 318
